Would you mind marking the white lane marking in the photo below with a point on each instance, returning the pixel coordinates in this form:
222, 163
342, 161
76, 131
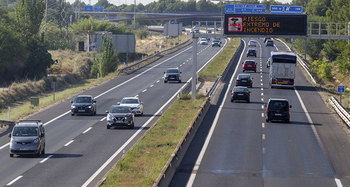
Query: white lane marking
263, 136
262, 84
263, 125
144, 90
263, 150
87, 130
151, 86
262, 88
261, 80
262, 99
262, 106
157, 81
337, 181
180, 65
261, 73
143, 126
14, 180
103, 119
69, 143
262, 115
136, 95
4, 146
262, 94
211, 131
260, 76
45, 159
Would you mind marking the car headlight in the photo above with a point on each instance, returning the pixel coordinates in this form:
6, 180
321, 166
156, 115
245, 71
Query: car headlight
90, 106
110, 117
138, 107
127, 117
72, 107
36, 140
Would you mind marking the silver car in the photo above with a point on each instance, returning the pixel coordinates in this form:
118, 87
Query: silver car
27, 137
134, 103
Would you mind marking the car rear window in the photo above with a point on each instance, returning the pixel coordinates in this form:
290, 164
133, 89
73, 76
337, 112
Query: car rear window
82, 100
119, 109
25, 131
129, 101
172, 71
249, 62
252, 51
243, 76
240, 89
278, 105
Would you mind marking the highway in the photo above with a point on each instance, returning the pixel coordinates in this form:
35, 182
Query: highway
80, 149
235, 146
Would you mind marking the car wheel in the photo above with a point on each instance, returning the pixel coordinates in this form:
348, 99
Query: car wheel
231, 100
11, 155
43, 151
254, 71
287, 121
38, 154
142, 113
165, 81
180, 81
131, 126
72, 114
267, 120
248, 101
243, 71
95, 112
108, 127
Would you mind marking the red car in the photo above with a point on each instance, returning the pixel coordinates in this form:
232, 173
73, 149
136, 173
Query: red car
249, 65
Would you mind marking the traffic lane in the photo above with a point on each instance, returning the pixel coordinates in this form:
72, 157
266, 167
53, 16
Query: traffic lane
333, 133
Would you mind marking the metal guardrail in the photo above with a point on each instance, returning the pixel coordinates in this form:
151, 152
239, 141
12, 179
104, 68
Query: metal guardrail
157, 54
4, 122
301, 62
343, 114
213, 87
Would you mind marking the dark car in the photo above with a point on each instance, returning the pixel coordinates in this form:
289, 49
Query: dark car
278, 109
216, 42
266, 39
249, 65
240, 93
209, 31
244, 80
269, 43
83, 104
172, 74
27, 137
120, 116
251, 52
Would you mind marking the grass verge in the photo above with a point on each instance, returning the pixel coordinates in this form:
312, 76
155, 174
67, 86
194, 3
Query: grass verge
143, 163
220, 62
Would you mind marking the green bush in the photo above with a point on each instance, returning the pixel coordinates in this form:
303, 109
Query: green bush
322, 69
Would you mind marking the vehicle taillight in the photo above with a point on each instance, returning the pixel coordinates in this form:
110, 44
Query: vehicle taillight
233, 93
246, 94
267, 110
238, 79
273, 82
288, 111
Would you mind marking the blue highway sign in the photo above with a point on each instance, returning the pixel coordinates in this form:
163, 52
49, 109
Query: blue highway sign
276, 9
243, 8
341, 88
293, 9
259, 9
88, 9
229, 8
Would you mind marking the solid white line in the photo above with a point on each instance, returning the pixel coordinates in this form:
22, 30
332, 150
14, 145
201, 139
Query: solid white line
4, 146
45, 159
69, 143
103, 119
14, 180
87, 130
337, 181
211, 131
136, 133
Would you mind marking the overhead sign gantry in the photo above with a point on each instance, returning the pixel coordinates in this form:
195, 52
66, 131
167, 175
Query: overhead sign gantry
265, 25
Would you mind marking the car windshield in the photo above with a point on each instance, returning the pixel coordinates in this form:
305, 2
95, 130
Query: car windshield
252, 42
251, 51
243, 76
82, 100
203, 39
172, 71
278, 105
249, 62
119, 109
130, 101
25, 131
240, 89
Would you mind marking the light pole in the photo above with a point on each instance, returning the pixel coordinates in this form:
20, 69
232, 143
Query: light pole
194, 65
134, 14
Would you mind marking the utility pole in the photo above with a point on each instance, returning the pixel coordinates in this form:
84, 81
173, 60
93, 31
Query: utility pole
134, 14
194, 66
45, 20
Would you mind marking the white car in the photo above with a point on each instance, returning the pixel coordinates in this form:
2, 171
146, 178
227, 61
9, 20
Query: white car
134, 103
204, 41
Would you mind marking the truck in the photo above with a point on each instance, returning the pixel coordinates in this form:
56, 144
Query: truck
282, 69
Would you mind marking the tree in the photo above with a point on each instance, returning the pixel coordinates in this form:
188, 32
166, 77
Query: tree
29, 15
108, 60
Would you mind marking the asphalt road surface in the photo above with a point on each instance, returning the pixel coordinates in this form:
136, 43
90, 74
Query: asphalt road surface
80, 149
235, 146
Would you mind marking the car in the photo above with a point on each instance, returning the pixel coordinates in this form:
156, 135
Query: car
240, 93
27, 137
204, 41
183, 30
266, 39
134, 103
278, 109
120, 116
172, 74
209, 31
196, 31
83, 104
249, 65
244, 80
269, 43
251, 52
252, 43
192, 31
215, 43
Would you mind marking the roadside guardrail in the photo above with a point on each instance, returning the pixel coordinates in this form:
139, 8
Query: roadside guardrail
343, 114
154, 55
301, 62
4, 122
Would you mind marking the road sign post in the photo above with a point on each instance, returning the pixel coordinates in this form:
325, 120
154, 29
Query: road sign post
341, 90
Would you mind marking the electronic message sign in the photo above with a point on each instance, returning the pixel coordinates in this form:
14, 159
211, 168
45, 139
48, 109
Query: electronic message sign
265, 24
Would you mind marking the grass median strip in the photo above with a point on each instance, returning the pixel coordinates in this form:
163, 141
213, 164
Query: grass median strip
220, 62
143, 163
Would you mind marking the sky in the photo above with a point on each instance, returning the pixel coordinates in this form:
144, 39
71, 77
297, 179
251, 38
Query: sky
144, 2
